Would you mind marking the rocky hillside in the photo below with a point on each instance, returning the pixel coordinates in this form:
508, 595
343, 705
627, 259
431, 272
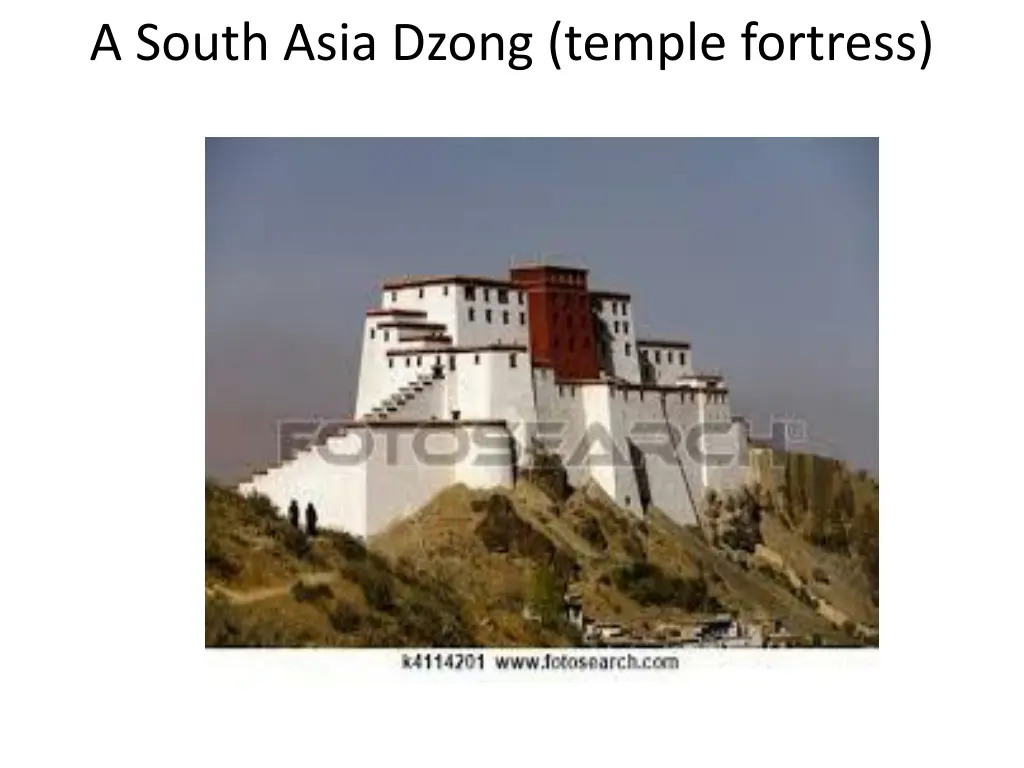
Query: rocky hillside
470, 564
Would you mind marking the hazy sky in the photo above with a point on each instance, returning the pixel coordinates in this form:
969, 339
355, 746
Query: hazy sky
762, 252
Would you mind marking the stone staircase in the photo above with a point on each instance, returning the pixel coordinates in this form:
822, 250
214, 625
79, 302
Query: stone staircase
393, 405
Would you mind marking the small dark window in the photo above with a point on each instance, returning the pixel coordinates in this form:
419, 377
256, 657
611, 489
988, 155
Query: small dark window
419, 362
472, 314
502, 296
394, 295
522, 318
372, 333
657, 355
451, 362
437, 360
615, 307
559, 390
387, 336
504, 317
627, 500
476, 359
616, 326
455, 415
421, 293
682, 358
625, 327
521, 298
408, 362
628, 349
668, 356
487, 315
643, 355
444, 291
512, 360
470, 292
391, 362
487, 294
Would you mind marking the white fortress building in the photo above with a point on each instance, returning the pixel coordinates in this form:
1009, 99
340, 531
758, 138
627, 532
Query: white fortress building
462, 379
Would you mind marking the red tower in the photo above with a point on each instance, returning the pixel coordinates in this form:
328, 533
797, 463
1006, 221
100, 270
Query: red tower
561, 326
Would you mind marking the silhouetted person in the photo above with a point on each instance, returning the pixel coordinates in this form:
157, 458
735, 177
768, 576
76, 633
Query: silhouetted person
293, 513
311, 519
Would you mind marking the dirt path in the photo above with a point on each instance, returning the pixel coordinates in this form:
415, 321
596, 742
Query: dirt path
264, 593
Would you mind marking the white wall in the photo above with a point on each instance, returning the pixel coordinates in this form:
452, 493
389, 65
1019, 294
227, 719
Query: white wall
669, 363
336, 489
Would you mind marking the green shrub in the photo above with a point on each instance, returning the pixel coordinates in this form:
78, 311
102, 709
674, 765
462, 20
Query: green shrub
310, 593
647, 584
350, 547
262, 505
345, 618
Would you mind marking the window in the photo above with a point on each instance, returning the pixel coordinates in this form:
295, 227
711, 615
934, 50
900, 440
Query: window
643, 355
487, 315
571, 343
419, 361
503, 296
472, 314
444, 291
616, 326
657, 355
455, 415
387, 336
487, 294
615, 307
391, 362
372, 333
682, 358
408, 362
521, 298
522, 318
470, 292
629, 349
394, 295
504, 317
451, 362
625, 327
559, 390
437, 360
625, 308
476, 359
421, 293
512, 360
668, 356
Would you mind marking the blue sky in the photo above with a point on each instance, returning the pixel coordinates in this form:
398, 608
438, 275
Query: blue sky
762, 252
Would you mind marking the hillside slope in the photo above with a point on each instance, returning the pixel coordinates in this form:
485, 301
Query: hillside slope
462, 570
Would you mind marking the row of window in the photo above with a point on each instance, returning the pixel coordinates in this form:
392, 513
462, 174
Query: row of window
670, 356
685, 396
470, 294
618, 307
488, 316
513, 361
469, 291
624, 325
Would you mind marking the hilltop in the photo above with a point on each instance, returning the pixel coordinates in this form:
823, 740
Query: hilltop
799, 548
